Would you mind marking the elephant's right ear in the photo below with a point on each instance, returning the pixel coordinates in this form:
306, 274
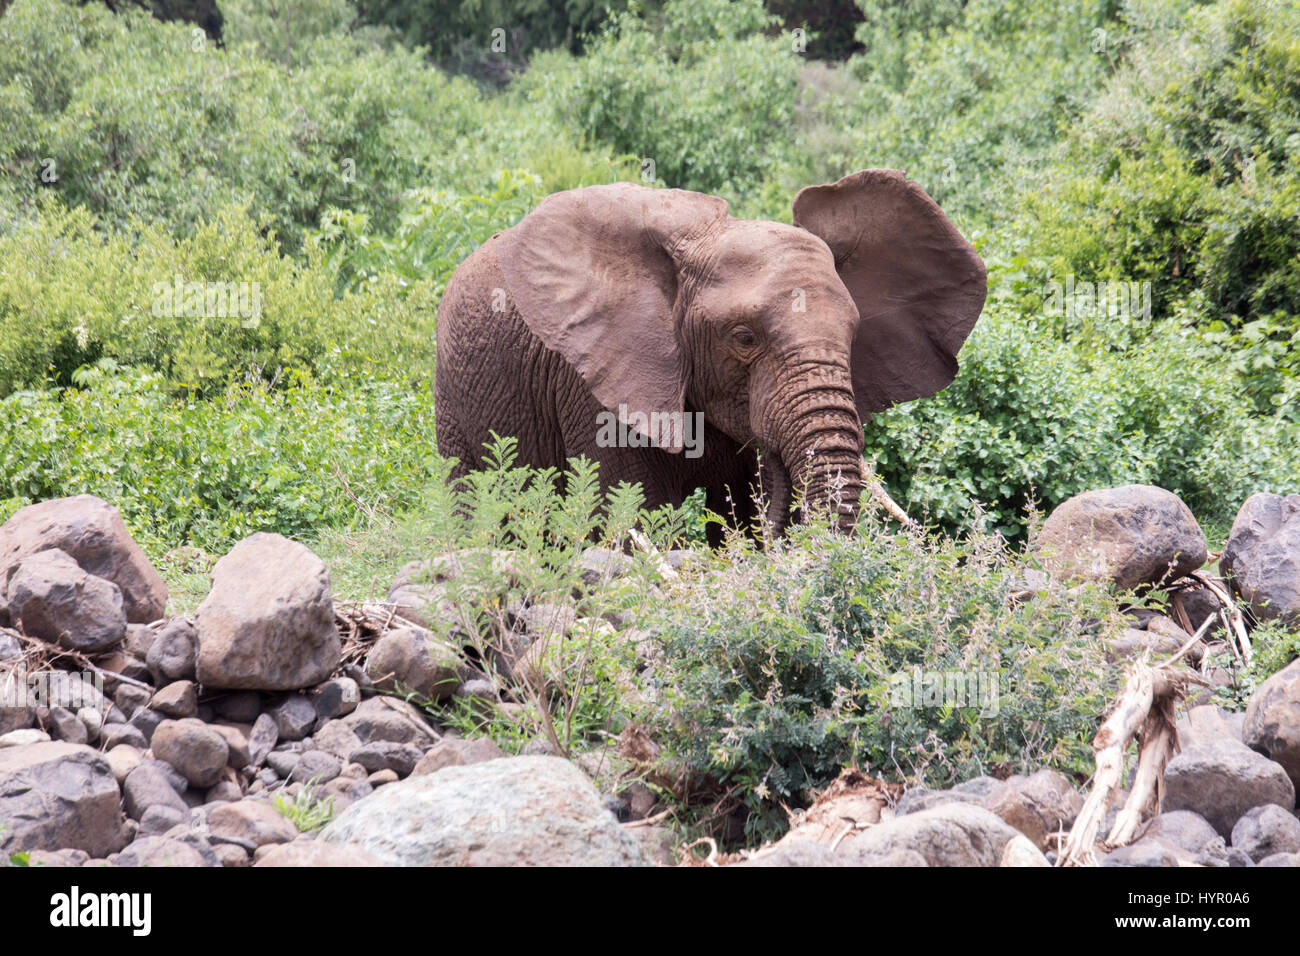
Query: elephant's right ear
592, 273
918, 284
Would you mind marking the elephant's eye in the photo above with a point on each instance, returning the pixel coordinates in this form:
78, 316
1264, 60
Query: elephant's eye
744, 336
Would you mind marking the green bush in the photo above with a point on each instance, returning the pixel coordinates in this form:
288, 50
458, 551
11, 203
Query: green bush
781, 666
208, 473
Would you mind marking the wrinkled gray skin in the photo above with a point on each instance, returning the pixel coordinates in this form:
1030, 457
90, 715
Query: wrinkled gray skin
785, 337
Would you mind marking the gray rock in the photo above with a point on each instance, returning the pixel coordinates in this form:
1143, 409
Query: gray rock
166, 851
1148, 851
1272, 723
336, 738
57, 601
239, 706
268, 621
1038, 806
1221, 780
131, 698
282, 762
413, 660
386, 755
66, 726
1262, 556
1236, 858
294, 717
159, 818
458, 752
146, 720
314, 853
375, 720
524, 811
122, 759
1281, 859
1264, 831
147, 786
23, 738
117, 735
1130, 536
317, 766
58, 795
894, 858
336, 698
197, 751
262, 739
251, 821
10, 649
173, 653
236, 744
93, 533
178, 699
1020, 852
793, 852
955, 834
1187, 830
603, 564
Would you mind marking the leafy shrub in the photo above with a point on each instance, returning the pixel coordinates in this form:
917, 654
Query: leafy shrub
208, 473
780, 667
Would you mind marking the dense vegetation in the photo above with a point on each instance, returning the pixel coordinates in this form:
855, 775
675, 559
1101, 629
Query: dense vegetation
329, 163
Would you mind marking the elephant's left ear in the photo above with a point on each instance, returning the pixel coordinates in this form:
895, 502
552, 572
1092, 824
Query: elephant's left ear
918, 284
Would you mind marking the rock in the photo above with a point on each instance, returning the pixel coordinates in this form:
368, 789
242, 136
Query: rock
92, 532
164, 851
123, 735
227, 791
236, 738
1262, 556
1129, 536
1021, 851
386, 755
1188, 831
57, 858
378, 719
317, 766
159, 818
1039, 806
524, 811
337, 738
252, 821
13, 717
457, 752
410, 660
796, 852
261, 739
122, 759
336, 698
315, 853
66, 726
197, 751
1148, 851
381, 777
139, 638
1281, 859
955, 834
131, 698
10, 649
603, 564
173, 654
294, 717
544, 621
232, 857
239, 706
1238, 859
268, 622
1272, 724
976, 791
1221, 779
56, 796
178, 699
23, 738
57, 601
1263, 831
146, 786
283, 762
1131, 642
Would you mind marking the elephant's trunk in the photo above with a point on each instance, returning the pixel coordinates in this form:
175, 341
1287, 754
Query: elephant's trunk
817, 433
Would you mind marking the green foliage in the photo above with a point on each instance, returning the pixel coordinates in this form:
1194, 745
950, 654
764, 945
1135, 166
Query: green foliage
781, 666
703, 94
306, 810
208, 473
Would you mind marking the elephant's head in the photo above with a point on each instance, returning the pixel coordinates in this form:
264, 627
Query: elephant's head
786, 336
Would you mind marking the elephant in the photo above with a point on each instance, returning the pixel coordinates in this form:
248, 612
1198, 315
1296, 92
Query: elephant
681, 348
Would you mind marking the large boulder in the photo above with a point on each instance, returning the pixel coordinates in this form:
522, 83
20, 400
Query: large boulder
1130, 536
1266, 830
410, 659
314, 853
57, 601
1039, 806
954, 834
93, 533
1262, 556
524, 811
57, 796
268, 622
1272, 723
1221, 779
